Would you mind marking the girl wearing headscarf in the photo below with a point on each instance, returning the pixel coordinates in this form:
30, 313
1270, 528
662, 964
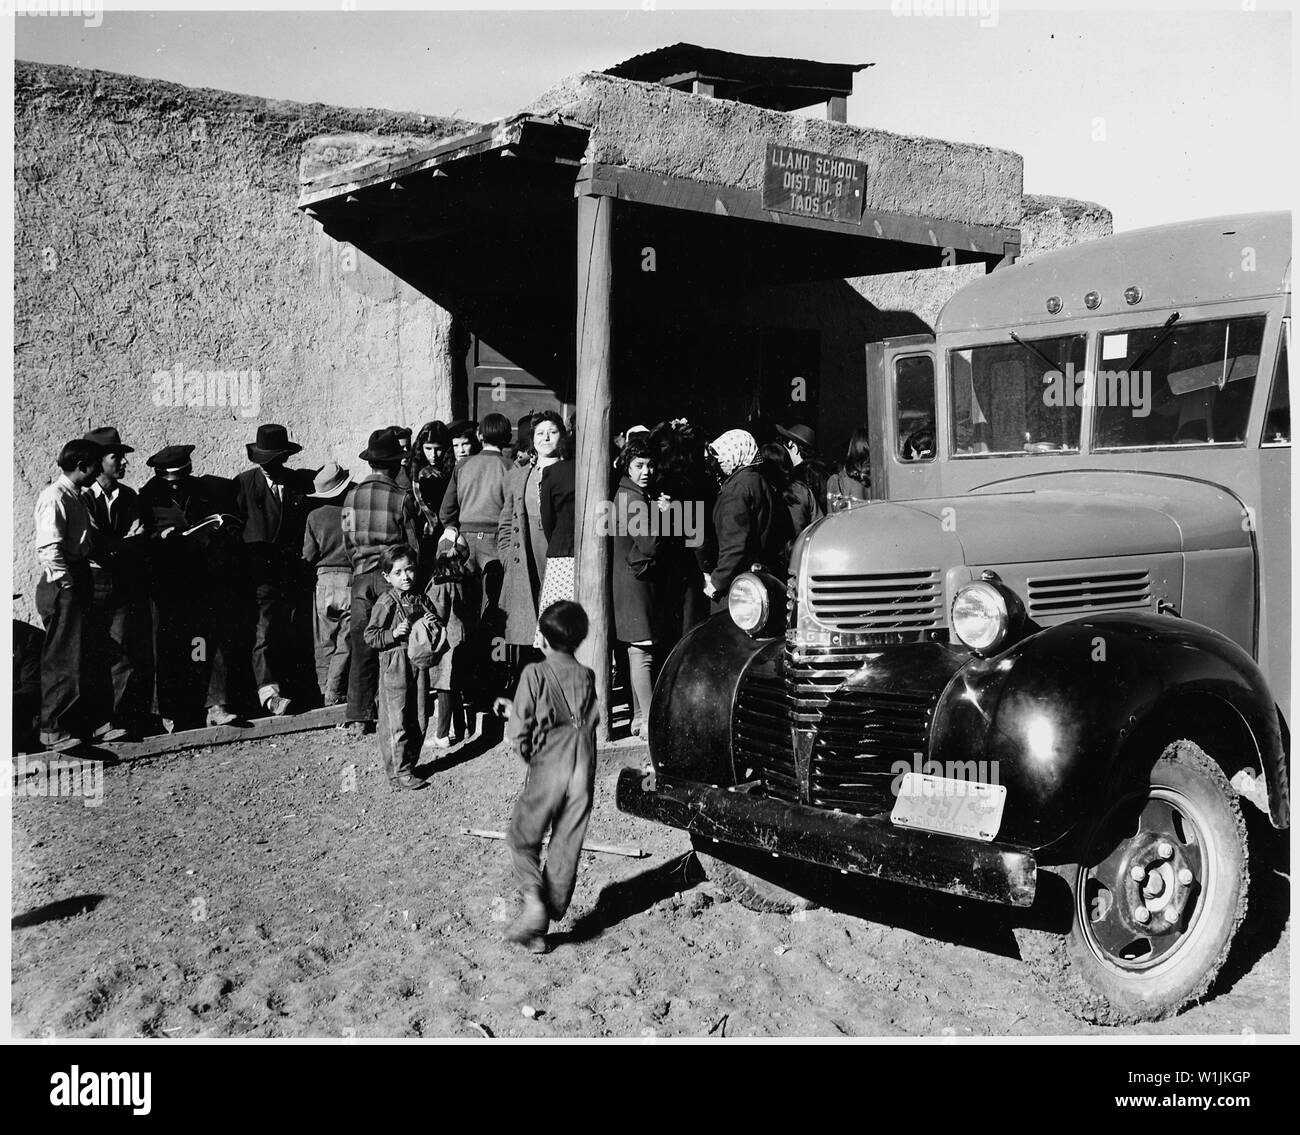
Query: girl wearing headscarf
750, 519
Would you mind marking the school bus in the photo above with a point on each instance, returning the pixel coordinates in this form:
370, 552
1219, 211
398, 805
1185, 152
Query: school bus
1048, 665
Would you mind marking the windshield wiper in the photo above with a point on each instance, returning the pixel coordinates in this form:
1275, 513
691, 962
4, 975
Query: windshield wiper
1165, 332
1030, 347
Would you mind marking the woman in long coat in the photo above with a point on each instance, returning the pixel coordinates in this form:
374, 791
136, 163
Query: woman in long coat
521, 540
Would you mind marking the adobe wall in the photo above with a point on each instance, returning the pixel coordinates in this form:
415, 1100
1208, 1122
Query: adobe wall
654, 128
156, 231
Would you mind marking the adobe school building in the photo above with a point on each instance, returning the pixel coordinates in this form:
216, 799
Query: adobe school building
690, 233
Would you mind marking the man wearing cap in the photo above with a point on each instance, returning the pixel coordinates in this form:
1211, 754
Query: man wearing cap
119, 607
271, 500
193, 544
63, 595
377, 513
322, 548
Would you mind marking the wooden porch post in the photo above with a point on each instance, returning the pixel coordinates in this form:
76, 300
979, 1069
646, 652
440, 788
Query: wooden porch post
594, 361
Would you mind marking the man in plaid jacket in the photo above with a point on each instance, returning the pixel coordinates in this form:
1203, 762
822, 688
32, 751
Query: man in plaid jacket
377, 514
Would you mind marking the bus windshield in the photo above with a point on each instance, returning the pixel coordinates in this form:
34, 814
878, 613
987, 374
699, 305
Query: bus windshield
1006, 398
1193, 389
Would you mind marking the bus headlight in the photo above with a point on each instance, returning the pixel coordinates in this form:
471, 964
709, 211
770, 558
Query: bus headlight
980, 617
747, 603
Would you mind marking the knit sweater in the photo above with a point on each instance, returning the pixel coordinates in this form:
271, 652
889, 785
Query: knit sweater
476, 493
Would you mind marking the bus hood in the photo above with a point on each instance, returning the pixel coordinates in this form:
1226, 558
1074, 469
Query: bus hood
1031, 520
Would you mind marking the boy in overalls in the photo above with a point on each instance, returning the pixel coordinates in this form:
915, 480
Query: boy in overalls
552, 725
401, 725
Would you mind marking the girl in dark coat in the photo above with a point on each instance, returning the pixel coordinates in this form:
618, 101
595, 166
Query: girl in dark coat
430, 464
634, 562
682, 476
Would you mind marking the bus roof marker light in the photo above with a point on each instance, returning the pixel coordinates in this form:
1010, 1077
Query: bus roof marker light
1092, 301
1053, 305
1132, 294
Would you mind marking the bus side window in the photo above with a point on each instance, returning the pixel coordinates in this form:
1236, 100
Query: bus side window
1277, 425
914, 399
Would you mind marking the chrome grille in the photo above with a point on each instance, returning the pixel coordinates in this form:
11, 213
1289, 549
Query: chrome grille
863, 734
860, 732
1096, 591
881, 601
761, 739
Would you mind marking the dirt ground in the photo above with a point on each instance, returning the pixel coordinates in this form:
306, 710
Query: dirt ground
279, 888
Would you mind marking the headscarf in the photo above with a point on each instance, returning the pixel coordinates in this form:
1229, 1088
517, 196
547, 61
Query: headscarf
735, 449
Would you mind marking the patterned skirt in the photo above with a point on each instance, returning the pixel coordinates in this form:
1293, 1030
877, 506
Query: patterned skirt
557, 585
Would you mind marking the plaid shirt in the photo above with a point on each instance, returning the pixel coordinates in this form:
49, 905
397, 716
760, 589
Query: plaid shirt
377, 514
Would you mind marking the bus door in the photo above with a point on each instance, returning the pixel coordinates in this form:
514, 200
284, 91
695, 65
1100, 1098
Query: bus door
901, 392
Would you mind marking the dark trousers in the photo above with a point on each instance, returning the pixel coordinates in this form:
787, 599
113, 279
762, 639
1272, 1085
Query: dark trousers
363, 679
557, 794
271, 636
193, 643
119, 650
65, 612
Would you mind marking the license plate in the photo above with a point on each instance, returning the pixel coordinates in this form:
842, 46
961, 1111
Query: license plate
954, 807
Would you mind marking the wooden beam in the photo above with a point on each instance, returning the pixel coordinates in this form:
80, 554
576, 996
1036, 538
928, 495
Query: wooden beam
837, 109
747, 204
594, 366
161, 743
699, 87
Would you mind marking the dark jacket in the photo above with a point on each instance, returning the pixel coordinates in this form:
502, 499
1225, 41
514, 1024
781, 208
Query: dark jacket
557, 499
753, 527
209, 554
634, 552
273, 528
118, 542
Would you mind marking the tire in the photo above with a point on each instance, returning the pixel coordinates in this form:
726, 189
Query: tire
721, 863
1142, 949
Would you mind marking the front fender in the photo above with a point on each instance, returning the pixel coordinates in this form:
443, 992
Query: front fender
1052, 714
691, 710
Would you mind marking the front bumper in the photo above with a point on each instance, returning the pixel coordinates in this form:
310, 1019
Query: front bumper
860, 844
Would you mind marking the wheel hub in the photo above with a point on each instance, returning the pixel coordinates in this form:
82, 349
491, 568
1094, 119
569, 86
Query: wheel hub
1138, 903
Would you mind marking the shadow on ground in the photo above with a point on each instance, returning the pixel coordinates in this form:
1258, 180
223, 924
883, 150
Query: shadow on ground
56, 911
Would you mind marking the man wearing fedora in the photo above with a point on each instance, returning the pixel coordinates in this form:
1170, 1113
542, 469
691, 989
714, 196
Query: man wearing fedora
192, 564
323, 549
271, 500
377, 513
801, 443
119, 614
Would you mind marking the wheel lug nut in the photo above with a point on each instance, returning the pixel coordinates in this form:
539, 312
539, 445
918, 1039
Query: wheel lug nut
1142, 914
1165, 849
1185, 877
1171, 915
1138, 872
